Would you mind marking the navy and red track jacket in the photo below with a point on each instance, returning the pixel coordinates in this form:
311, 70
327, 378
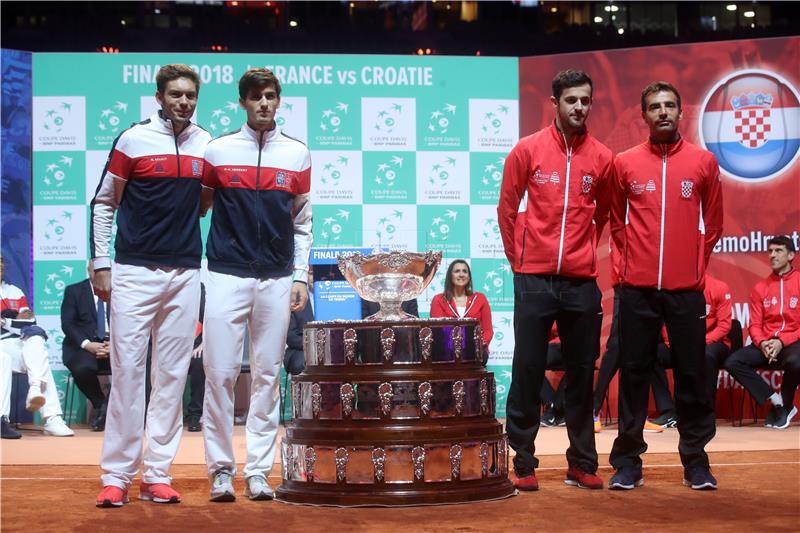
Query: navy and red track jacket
261, 226
152, 178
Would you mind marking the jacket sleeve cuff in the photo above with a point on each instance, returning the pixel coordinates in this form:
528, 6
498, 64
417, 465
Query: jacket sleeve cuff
101, 263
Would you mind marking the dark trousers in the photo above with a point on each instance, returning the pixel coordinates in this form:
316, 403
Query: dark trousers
197, 387
554, 362
574, 305
610, 362
742, 366
84, 368
659, 381
716, 354
642, 312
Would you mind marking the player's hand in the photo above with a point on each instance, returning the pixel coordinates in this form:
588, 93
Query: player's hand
299, 296
101, 281
25, 314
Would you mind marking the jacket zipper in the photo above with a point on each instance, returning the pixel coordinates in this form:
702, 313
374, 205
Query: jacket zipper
258, 181
564, 213
663, 212
177, 152
783, 318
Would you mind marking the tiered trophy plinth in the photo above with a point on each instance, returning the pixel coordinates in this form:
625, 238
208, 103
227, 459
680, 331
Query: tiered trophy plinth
394, 413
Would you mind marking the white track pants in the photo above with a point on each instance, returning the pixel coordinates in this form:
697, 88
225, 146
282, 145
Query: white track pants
30, 357
164, 304
233, 304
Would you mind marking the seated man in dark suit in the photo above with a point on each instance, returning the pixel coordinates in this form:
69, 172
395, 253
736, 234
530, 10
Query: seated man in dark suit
85, 349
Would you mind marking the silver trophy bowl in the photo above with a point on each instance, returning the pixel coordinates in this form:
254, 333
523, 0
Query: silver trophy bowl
389, 278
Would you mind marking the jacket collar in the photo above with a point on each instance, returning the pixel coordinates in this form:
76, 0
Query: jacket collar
775, 277
257, 135
166, 124
670, 148
559, 137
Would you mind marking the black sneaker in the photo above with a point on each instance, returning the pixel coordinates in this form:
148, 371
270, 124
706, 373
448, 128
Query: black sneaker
193, 424
699, 478
549, 418
98, 422
769, 420
783, 416
667, 419
8, 431
626, 478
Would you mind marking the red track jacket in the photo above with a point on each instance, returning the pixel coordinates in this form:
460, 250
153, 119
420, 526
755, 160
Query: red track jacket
666, 214
554, 203
477, 307
775, 309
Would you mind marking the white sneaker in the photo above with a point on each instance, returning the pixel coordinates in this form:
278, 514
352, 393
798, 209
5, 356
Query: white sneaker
258, 488
55, 426
222, 488
35, 399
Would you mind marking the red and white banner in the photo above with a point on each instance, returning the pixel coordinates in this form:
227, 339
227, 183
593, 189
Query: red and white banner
740, 100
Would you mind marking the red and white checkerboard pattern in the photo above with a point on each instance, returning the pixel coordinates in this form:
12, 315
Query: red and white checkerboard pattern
752, 125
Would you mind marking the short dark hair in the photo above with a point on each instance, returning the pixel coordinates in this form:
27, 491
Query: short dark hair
783, 240
448, 280
569, 78
167, 73
256, 78
657, 87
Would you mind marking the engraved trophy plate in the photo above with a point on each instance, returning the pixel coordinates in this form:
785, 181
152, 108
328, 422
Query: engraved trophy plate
458, 396
316, 399
350, 345
484, 392
288, 460
385, 393
341, 457
418, 458
455, 460
347, 394
378, 462
425, 392
389, 278
387, 343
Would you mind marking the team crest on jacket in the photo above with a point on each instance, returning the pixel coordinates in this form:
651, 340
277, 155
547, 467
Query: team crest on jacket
196, 167
539, 177
586, 184
280, 179
687, 186
793, 302
765, 303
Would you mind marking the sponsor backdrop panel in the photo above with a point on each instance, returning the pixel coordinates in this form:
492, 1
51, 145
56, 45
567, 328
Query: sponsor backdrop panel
740, 100
403, 149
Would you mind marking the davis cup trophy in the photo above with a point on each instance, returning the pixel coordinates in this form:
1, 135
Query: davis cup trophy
393, 410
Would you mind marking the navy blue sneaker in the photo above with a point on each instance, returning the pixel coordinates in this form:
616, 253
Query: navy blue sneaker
699, 478
626, 478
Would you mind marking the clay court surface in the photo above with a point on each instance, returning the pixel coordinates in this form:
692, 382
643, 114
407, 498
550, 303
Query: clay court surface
49, 484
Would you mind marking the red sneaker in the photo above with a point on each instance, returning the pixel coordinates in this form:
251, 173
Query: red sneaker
578, 478
526, 482
159, 493
112, 496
